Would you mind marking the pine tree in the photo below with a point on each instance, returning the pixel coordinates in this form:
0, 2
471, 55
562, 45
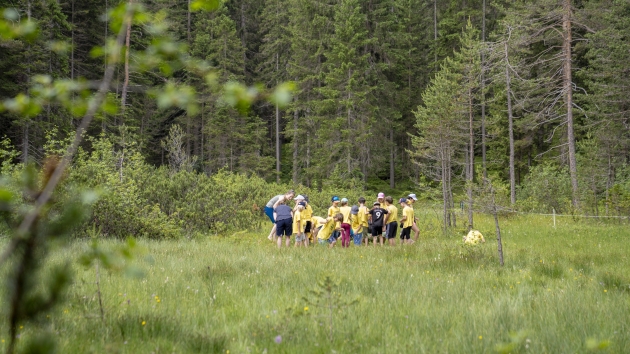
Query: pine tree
231, 140
606, 101
273, 60
347, 118
310, 28
441, 137
22, 60
466, 62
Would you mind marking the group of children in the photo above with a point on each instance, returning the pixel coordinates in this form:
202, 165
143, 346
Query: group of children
356, 223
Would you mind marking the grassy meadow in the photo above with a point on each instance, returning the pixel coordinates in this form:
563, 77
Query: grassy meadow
562, 290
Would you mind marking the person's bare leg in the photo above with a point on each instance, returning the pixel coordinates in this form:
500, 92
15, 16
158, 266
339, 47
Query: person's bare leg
279, 241
288, 241
272, 234
416, 230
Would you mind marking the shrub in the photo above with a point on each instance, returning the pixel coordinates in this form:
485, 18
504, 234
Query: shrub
546, 187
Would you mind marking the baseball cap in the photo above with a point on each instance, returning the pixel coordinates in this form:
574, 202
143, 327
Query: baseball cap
344, 200
402, 200
381, 195
299, 197
302, 204
354, 210
335, 198
412, 196
376, 203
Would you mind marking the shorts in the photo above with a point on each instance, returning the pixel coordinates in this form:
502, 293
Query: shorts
377, 230
284, 227
307, 227
390, 230
357, 238
327, 241
300, 237
405, 234
269, 213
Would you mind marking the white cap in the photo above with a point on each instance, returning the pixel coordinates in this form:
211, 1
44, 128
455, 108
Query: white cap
299, 197
412, 196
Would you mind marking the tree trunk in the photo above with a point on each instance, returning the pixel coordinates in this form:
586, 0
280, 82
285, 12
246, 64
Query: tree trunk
188, 118
510, 127
609, 180
295, 146
471, 159
123, 100
72, 42
201, 148
278, 135
496, 224
350, 128
392, 183
104, 56
483, 91
188, 15
25, 132
308, 158
435, 33
444, 192
568, 91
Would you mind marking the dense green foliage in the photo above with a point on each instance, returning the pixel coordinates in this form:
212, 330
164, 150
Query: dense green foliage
360, 68
561, 290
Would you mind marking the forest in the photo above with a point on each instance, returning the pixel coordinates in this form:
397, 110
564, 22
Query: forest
430, 96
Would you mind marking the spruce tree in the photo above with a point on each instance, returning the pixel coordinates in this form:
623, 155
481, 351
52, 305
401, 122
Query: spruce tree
347, 121
231, 140
310, 28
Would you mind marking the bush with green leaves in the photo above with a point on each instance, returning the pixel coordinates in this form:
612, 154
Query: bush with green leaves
545, 188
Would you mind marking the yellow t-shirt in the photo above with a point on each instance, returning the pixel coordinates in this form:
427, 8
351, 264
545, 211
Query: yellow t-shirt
307, 213
345, 211
332, 211
326, 230
363, 216
392, 213
356, 223
297, 216
408, 212
317, 221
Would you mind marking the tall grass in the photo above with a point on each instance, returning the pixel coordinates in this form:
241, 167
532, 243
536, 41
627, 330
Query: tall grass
559, 288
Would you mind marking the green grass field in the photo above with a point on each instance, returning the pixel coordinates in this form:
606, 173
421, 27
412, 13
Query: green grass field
562, 290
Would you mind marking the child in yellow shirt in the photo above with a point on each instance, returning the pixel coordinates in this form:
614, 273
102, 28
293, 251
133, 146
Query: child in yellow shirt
307, 215
299, 222
363, 219
325, 232
332, 211
357, 227
406, 222
391, 221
